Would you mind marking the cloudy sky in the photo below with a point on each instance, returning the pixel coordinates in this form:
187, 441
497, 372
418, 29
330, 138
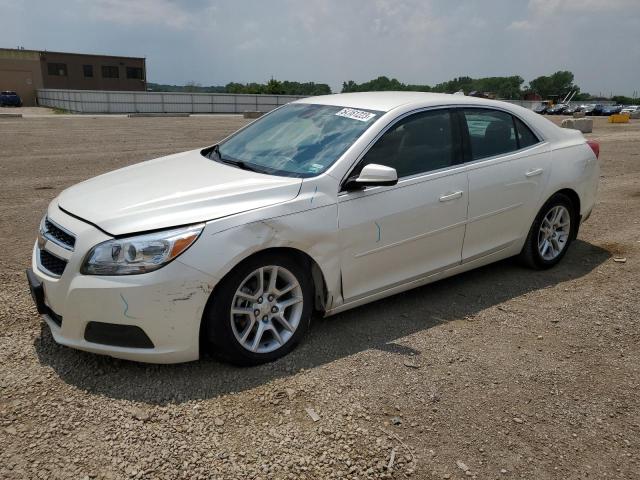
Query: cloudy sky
213, 42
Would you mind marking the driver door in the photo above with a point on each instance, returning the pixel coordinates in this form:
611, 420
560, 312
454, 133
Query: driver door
392, 235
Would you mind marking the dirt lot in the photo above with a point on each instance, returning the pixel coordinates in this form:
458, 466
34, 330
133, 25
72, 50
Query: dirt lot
497, 373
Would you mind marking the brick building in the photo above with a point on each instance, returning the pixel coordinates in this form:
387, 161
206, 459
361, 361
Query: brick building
24, 71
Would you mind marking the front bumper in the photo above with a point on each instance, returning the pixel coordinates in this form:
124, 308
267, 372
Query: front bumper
100, 313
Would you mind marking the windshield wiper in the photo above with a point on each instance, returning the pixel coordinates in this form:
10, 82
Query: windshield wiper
239, 164
236, 163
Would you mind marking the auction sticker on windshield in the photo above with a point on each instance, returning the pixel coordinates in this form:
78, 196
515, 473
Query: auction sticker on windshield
354, 114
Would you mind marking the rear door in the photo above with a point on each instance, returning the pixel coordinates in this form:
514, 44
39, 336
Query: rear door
391, 235
508, 169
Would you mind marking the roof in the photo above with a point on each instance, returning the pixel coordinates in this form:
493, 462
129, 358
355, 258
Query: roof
406, 101
385, 101
44, 52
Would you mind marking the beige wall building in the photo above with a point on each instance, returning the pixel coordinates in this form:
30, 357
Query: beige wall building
21, 72
27, 70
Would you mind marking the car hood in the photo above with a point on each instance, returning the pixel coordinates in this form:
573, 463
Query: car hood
175, 190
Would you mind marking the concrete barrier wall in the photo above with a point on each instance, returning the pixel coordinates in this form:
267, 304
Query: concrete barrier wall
96, 101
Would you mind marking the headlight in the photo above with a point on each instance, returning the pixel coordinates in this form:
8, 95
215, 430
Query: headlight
141, 254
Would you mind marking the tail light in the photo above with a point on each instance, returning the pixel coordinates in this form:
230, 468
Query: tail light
595, 146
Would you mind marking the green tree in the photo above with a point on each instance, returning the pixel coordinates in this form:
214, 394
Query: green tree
274, 87
234, 87
559, 84
623, 100
349, 86
381, 83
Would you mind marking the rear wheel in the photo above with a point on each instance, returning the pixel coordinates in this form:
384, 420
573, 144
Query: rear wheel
551, 233
260, 311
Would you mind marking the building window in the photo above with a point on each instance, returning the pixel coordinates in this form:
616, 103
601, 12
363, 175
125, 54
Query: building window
135, 73
57, 69
87, 70
110, 72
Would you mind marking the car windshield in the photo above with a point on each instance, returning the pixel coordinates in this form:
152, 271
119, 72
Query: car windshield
8, 93
297, 140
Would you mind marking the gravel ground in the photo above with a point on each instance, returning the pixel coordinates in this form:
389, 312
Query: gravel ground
498, 373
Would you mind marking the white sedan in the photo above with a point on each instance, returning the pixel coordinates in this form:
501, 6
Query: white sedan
322, 205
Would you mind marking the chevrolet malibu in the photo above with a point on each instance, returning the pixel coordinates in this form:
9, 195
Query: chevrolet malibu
322, 205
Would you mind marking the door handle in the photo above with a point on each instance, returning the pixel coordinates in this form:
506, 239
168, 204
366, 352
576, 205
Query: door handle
451, 196
533, 173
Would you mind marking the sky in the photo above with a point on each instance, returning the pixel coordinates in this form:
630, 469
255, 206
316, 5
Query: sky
213, 42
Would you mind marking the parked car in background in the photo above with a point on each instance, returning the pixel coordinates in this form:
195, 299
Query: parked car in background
587, 109
594, 109
9, 98
323, 204
541, 109
611, 109
571, 109
557, 109
630, 109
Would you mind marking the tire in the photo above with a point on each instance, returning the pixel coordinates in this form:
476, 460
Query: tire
554, 249
224, 331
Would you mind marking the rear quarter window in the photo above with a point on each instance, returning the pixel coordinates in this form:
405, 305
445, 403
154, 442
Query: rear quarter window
491, 133
494, 132
526, 138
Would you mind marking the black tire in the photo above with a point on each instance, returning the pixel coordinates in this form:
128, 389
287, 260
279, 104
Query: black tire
530, 254
218, 337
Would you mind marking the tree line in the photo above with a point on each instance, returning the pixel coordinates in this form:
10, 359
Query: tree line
272, 87
554, 86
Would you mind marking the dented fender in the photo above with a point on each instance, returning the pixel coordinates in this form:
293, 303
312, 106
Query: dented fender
308, 224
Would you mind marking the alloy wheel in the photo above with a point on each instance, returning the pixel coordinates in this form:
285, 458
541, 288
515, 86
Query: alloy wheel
554, 231
266, 309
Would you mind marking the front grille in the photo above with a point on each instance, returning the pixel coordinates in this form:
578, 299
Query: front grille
51, 263
58, 235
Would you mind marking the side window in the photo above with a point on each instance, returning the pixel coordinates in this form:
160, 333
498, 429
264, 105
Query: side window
417, 144
526, 137
491, 132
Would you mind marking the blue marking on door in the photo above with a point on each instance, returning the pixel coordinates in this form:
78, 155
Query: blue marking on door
379, 232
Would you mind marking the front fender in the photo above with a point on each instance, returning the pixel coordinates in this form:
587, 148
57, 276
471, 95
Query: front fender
313, 232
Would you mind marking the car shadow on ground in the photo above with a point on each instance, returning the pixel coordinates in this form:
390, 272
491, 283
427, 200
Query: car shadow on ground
374, 326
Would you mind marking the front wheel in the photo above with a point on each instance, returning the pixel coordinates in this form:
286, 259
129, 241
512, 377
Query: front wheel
551, 233
260, 311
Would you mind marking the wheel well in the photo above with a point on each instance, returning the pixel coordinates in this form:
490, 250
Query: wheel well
317, 277
575, 200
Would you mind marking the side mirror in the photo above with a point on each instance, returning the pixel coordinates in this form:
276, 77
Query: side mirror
373, 175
